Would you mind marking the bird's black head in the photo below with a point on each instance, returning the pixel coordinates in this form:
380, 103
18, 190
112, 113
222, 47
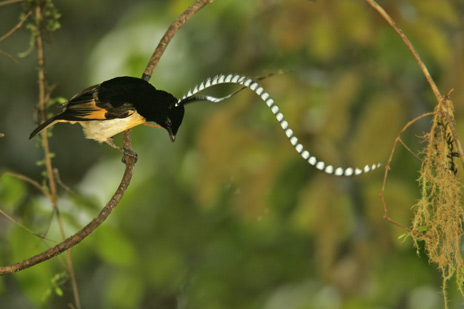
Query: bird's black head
174, 119
167, 114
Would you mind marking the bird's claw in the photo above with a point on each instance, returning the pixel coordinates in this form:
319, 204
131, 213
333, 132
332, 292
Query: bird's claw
129, 153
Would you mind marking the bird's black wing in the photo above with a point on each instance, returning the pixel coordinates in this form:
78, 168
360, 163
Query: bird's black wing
99, 102
115, 98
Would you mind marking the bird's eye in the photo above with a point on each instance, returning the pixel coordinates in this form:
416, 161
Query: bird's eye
169, 122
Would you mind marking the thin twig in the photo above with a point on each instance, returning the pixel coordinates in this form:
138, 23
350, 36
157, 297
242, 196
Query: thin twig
23, 226
406, 41
61, 183
409, 150
388, 167
433, 86
31, 181
445, 113
109, 207
10, 2
43, 97
172, 30
89, 228
19, 25
42, 107
8, 56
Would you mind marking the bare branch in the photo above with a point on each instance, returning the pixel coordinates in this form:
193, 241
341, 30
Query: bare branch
406, 41
8, 56
10, 2
23, 226
61, 183
388, 167
31, 181
19, 25
128, 160
444, 111
89, 228
172, 30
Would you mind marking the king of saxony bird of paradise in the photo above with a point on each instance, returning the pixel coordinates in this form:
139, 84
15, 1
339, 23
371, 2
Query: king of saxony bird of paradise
122, 103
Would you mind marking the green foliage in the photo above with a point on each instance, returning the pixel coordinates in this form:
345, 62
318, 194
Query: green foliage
56, 283
229, 216
57, 100
48, 20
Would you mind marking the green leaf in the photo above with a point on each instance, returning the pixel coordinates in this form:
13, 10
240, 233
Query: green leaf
58, 291
422, 229
404, 236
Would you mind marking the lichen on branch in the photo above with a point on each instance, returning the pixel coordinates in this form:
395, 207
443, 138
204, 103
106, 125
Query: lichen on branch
439, 214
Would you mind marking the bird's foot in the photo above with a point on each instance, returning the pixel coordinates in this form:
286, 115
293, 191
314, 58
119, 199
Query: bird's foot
125, 151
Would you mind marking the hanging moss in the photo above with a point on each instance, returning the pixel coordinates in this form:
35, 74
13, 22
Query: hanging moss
439, 214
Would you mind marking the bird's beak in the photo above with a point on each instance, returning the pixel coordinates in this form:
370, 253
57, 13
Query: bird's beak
171, 134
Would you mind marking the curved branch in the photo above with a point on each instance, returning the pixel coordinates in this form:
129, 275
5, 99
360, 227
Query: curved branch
388, 167
29, 180
19, 25
408, 43
89, 228
128, 160
10, 2
172, 30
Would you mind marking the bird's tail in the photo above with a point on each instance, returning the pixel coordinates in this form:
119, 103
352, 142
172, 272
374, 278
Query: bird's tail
255, 87
43, 126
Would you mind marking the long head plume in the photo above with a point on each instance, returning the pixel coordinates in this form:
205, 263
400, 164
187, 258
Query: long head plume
255, 87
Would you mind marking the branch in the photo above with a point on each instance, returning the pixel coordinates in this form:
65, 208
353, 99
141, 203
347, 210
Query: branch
128, 160
89, 228
10, 2
23, 226
388, 167
8, 56
172, 30
406, 41
31, 181
446, 114
44, 96
19, 25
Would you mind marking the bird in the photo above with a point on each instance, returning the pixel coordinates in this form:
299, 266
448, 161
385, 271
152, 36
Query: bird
116, 105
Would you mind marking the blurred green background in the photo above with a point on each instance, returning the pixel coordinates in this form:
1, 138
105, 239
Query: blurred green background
230, 216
